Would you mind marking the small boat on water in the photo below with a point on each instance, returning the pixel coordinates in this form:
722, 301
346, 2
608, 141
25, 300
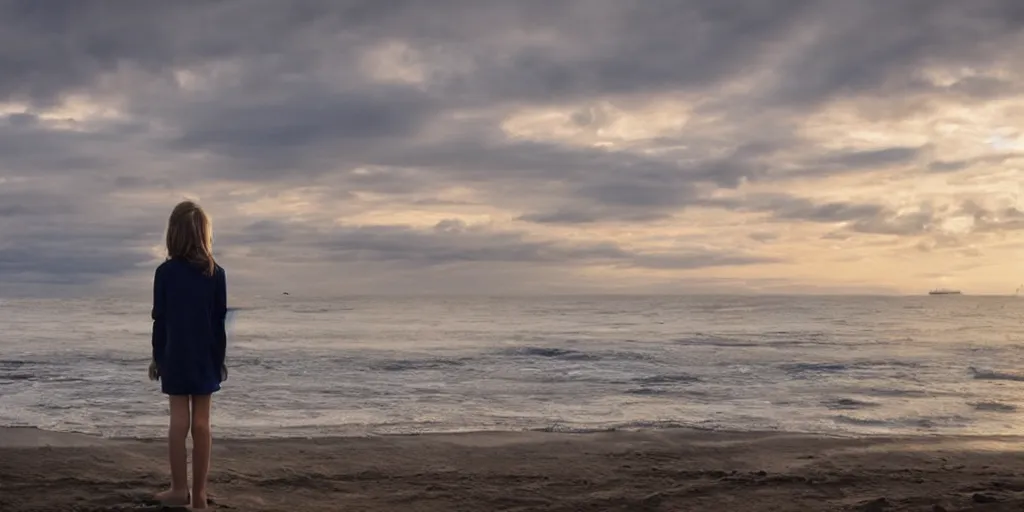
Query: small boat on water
944, 291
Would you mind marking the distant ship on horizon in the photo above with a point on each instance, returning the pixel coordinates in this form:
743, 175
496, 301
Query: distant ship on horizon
944, 291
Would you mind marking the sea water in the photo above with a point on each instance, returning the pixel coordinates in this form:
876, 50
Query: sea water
360, 366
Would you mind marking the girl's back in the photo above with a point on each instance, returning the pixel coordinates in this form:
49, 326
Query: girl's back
189, 305
189, 343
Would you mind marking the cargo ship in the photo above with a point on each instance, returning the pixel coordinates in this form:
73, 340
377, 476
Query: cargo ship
944, 291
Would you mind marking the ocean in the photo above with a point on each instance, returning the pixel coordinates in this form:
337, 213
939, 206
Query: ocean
368, 366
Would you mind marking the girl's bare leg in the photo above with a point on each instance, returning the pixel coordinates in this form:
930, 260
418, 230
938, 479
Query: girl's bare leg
202, 443
177, 434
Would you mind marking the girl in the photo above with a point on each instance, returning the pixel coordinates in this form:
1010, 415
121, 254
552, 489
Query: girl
189, 343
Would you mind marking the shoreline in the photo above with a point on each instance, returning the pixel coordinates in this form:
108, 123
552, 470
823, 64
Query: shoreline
35, 437
22, 434
839, 435
648, 470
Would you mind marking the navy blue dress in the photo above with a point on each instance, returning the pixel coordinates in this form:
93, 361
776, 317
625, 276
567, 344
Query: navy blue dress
189, 340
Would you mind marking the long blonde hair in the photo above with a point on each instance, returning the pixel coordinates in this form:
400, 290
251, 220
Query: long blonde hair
190, 236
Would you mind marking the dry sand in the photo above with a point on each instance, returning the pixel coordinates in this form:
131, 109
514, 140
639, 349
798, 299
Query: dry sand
621, 471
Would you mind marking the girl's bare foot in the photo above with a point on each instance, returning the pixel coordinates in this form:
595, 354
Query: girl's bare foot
173, 498
199, 501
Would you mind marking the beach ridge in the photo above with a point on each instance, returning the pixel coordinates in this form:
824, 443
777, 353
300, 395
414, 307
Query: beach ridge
651, 470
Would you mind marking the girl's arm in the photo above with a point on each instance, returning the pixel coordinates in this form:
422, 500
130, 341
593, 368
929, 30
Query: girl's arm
220, 312
159, 329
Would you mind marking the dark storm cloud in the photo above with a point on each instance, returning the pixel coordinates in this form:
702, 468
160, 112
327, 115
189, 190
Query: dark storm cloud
657, 45
28, 146
300, 117
763, 236
644, 190
140, 183
285, 112
950, 166
263, 91
924, 220
71, 252
313, 130
941, 166
699, 259
933, 221
78, 41
993, 219
32, 203
598, 47
912, 223
786, 207
62, 46
619, 186
453, 241
593, 47
835, 211
46, 263
875, 44
567, 216
871, 159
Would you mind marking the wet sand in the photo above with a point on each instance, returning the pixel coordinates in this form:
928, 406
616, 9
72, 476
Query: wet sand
618, 471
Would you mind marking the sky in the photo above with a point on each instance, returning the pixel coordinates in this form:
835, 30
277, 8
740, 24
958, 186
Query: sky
528, 147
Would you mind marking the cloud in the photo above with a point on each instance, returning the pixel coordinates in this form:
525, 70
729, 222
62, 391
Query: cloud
526, 51
845, 62
915, 222
787, 207
645, 139
870, 159
948, 166
960, 228
935, 226
72, 253
22, 204
297, 129
453, 241
952, 166
567, 216
31, 147
764, 236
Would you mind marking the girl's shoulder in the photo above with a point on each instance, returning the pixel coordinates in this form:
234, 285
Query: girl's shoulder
170, 264
165, 266
178, 265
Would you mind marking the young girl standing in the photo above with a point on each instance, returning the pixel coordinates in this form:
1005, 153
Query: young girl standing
189, 344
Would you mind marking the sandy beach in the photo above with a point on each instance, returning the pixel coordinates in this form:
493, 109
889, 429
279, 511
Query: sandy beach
616, 471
